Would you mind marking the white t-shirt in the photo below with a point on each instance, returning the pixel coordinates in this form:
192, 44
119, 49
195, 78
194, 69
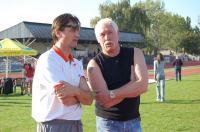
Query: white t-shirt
52, 68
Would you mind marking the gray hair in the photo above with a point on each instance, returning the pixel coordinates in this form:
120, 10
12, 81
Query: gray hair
104, 21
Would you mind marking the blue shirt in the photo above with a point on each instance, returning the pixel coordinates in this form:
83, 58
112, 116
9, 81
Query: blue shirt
159, 68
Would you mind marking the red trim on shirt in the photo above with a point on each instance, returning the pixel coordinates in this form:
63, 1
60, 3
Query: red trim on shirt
61, 54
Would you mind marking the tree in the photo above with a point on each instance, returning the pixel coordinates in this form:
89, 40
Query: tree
191, 43
94, 21
162, 29
175, 30
154, 11
127, 17
140, 21
167, 29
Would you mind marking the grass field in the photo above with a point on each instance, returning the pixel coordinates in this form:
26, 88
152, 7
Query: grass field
180, 112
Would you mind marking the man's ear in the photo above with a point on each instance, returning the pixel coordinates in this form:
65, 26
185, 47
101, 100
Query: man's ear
58, 33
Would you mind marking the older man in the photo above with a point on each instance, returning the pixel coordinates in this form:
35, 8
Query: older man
118, 76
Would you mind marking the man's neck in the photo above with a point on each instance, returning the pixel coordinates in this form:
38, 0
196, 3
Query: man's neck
65, 50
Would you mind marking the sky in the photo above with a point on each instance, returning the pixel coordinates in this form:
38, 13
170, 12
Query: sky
13, 12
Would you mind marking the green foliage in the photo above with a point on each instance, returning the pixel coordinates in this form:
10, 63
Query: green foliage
127, 17
140, 21
94, 21
191, 43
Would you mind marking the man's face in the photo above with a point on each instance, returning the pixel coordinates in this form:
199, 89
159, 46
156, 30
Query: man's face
108, 38
70, 35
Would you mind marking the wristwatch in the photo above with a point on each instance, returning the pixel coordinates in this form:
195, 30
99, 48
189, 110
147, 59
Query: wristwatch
112, 94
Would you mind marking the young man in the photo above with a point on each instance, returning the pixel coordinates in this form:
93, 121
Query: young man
59, 87
118, 76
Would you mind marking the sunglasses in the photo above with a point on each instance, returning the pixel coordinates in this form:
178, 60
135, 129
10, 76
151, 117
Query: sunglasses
74, 26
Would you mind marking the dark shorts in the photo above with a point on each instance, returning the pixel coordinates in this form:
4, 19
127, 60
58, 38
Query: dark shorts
60, 126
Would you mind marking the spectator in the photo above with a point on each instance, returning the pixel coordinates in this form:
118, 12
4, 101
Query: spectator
159, 75
29, 73
177, 63
1, 85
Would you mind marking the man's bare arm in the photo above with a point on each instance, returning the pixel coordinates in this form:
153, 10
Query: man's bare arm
68, 101
99, 85
66, 93
70, 95
139, 86
85, 96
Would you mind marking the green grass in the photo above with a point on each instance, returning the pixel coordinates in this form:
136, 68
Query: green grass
180, 112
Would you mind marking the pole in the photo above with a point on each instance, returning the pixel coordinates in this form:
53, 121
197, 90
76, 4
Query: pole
6, 66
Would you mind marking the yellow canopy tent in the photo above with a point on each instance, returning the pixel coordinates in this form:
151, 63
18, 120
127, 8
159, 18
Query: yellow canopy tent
10, 47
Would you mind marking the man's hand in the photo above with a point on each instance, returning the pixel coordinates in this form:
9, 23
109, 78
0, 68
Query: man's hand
99, 86
66, 93
85, 96
102, 97
67, 90
68, 101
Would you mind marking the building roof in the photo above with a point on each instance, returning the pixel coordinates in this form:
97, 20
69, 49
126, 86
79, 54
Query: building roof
42, 31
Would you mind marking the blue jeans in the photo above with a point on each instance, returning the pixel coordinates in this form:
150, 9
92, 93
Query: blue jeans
178, 73
106, 125
160, 87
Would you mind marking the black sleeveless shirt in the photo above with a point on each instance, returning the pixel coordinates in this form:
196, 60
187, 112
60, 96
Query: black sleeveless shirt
116, 72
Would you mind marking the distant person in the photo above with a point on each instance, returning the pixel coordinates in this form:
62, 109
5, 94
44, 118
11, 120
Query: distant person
177, 63
59, 85
29, 73
1, 84
159, 75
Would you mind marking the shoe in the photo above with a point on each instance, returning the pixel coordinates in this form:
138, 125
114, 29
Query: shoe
162, 100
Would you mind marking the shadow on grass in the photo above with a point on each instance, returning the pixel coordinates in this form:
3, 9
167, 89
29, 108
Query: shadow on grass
191, 80
14, 97
12, 102
183, 101
148, 102
9, 99
175, 102
6, 105
10, 95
